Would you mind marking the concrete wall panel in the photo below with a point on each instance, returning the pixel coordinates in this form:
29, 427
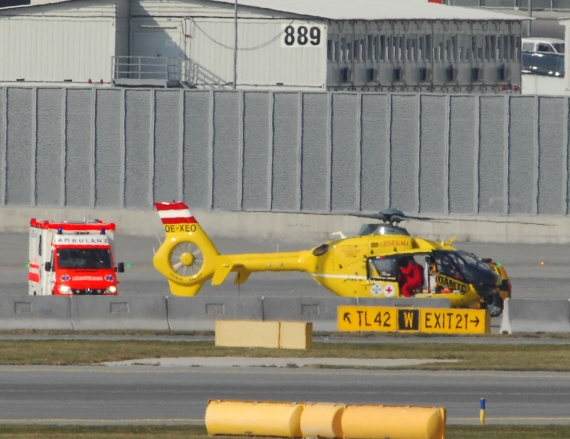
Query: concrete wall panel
35, 312
462, 147
551, 184
404, 153
491, 162
79, 151
20, 146
322, 312
256, 162
50, 147
197, 160
226, 153
106, 312
375, 161
200, 313
138, 158
167, 149
315, 154
3, 92
536, 316
433, 154
345, 152
109, 151
522, 155
285, 152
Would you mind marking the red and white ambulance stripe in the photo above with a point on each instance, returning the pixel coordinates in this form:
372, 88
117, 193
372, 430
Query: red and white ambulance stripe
174, 213
34, 272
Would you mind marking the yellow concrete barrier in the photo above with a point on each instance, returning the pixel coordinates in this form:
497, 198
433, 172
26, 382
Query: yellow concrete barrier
322, 420
244, 333
378, 422
295, 335
247, 418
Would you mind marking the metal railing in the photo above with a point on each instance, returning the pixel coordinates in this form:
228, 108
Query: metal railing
147, 68
513, 4
196, 75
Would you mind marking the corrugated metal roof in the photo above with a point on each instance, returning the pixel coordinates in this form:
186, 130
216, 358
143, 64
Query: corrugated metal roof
375, 9
58, 5
32, 5
364, 9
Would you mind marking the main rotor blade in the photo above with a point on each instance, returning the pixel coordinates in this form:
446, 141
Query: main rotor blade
377, 216
381, 217
496, 222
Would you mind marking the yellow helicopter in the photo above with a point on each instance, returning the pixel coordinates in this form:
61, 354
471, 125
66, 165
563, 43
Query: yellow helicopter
370, 264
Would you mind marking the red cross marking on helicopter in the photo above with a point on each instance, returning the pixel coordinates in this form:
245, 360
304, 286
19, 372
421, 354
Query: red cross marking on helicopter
389, 290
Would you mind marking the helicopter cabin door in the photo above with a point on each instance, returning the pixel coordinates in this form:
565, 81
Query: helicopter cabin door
382, 273
450, 269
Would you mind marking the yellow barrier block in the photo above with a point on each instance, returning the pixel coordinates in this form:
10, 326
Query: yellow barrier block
244, 333
379, 422
245, 418
322, 420
295, 335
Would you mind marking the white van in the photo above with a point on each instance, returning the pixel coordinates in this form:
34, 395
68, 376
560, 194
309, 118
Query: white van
548, 45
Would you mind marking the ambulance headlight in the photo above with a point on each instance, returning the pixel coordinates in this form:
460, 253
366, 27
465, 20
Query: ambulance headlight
65, 289
111, 290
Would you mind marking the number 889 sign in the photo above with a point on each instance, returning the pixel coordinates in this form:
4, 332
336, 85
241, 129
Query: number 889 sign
302, 35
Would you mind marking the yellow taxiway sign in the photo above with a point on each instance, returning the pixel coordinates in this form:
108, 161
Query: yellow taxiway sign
427, 320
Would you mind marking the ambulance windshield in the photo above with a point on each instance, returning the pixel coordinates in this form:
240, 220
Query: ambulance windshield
84, 258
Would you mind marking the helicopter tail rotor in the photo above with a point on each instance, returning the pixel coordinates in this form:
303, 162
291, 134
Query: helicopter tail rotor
187, 256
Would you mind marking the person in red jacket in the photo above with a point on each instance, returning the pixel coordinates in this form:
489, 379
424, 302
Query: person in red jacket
411, 276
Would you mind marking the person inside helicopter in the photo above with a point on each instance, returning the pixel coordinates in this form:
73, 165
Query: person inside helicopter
411, 276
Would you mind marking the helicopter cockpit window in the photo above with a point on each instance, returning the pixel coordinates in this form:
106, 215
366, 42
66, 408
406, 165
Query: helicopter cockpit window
448, 264
382, 268
465, 267
381, 229
474, 269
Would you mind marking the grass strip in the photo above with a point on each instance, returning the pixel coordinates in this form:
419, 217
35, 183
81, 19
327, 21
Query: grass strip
527, 357
413, 337
199, 432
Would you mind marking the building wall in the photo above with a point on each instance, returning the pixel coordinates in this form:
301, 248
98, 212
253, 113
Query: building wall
263, 60
122, 25
453, 56
77, 40
292, 152
543, 85
58, 42
203, 34
197, 8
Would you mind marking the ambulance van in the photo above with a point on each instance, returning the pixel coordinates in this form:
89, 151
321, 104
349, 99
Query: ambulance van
72, 258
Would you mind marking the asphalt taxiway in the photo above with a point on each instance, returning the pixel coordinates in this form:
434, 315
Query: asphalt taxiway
179, 395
